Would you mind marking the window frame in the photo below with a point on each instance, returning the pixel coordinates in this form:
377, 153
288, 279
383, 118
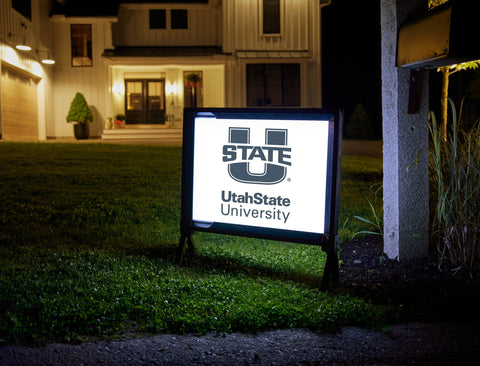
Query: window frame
87, 45
176, 19
153, 13
262, 17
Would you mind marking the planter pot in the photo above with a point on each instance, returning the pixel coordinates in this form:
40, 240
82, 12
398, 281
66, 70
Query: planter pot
81, 131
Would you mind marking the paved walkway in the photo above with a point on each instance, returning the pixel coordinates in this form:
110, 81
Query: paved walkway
401, 344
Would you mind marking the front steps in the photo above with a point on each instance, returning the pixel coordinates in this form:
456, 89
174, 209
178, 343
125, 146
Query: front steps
144, 132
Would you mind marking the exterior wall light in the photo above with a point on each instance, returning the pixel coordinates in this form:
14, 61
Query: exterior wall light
46, 60
118, 88
172, 89
22, 44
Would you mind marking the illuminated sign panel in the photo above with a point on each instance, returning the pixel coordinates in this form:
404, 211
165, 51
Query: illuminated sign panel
260, 173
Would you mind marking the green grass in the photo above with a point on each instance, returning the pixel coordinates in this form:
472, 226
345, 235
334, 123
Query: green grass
361, 185
88, 234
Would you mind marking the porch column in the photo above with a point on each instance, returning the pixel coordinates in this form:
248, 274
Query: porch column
405, 184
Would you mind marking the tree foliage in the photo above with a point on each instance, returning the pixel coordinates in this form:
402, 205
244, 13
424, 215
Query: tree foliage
359, 125
446, 72
79, 110
434, 3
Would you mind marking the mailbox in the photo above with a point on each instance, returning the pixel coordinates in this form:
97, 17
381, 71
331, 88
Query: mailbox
445, 36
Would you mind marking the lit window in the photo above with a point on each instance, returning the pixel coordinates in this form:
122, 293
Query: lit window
81, 45
158, 19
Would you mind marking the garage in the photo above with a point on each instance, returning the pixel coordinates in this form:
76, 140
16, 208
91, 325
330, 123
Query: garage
19, 116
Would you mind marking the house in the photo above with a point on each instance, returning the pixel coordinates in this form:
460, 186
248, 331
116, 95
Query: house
147, 60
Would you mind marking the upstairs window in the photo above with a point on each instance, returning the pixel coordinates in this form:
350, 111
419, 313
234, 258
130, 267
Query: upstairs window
158, 19
271, 17
81, 44
24, 7
179, 18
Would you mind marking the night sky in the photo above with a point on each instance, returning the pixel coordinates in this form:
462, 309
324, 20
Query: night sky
351, 57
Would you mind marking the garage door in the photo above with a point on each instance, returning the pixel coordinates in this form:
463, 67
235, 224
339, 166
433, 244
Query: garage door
18, 105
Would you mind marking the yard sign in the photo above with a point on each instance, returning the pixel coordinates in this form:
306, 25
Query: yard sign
264, 173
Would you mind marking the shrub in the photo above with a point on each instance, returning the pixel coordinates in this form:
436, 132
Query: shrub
455, 179
79, 110
359, 125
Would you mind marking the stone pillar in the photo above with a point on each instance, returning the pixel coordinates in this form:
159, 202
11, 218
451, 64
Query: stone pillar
405, 183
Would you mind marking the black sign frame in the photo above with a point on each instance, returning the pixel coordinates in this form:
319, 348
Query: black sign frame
328, 240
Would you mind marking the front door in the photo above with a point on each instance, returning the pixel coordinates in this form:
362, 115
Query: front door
145, 101
273, 85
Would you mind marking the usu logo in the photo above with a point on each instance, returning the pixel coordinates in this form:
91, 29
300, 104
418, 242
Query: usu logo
275, 154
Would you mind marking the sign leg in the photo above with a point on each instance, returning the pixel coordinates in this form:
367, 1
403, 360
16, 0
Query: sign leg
186, 243
331, 271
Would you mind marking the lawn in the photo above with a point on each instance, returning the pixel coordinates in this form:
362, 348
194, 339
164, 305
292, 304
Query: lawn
88, 234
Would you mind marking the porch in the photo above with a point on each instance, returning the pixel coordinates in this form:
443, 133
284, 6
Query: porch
144, 133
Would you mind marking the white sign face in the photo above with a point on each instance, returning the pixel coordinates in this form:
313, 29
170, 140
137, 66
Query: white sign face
264, 173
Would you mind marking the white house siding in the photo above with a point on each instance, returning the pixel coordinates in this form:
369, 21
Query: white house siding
46, 112
204, 29
244, 32
234, 25
91, 81
11, 28
133, 26
299, 42
214, 87
14, 27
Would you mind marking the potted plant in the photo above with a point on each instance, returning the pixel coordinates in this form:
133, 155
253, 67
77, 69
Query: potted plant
81, 115
120, 120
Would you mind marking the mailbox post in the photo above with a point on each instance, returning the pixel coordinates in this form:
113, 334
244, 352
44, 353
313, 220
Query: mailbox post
405, 186
413, 42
